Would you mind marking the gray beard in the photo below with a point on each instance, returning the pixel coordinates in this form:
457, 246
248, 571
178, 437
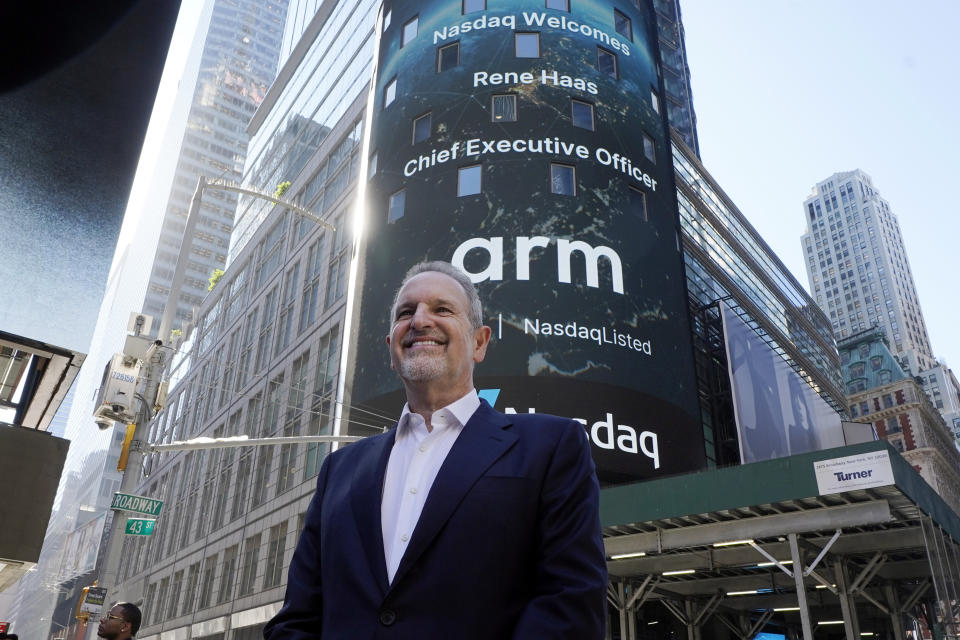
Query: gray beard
423, 368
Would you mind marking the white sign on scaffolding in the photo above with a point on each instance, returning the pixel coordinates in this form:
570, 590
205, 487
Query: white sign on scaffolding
863, 471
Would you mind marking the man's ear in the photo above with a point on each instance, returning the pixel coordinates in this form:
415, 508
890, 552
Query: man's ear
481, 338
389, 355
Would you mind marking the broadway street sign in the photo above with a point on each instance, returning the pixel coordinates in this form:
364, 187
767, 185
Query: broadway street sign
136, 504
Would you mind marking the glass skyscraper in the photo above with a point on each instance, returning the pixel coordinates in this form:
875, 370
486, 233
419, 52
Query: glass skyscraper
237, 45
238, 65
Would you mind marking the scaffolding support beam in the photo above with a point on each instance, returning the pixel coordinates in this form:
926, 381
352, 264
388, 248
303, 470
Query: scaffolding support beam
895, 611
801, 589
848, 607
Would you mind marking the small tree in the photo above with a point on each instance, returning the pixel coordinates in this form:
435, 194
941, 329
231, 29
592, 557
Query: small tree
215, 278
281, 189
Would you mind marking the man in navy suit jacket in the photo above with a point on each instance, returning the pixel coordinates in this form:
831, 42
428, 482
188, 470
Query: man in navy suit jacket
459, 523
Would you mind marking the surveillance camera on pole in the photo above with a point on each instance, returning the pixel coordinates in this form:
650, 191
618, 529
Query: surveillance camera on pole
130, 394
115, 398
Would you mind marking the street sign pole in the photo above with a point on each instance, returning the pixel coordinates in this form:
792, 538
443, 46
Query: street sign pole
154, 361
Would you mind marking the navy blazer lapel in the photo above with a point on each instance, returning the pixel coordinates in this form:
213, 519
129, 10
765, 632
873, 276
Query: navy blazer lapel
483, 440
367, 494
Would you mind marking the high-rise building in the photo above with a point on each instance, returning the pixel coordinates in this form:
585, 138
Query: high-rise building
859, 274
943, 389
857, 266
216, 79
238, 64
676, 73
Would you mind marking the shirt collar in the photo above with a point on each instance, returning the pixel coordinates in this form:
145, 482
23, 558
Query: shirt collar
462, 409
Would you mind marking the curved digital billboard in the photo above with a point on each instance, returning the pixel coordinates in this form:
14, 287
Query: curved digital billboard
525, 141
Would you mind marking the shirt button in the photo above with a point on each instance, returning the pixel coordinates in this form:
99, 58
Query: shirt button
404, 537
413, 490
422, 448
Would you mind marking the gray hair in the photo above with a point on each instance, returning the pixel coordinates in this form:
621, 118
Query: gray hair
475, 311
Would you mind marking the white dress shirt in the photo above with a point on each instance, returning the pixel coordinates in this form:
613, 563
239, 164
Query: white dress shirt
415, 459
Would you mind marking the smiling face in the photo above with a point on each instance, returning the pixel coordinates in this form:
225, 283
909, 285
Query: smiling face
433, 346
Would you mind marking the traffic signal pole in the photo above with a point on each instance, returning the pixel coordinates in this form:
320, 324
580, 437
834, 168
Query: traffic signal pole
154, 363
150, 376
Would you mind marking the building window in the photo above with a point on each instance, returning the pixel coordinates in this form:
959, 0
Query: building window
321, 414
372, 166
269, 254
287, 468
390, 92
189, 600
395, 208
503, 108
469, 6
560, 5
468, 180
248, 572
638, 204
174, 595
622, 24
526, 45
386, 19
581, 113
892, 425
285, 325
448, 57
245, 464
339, 262
409, 31
266, 329
206, 583
311, 284
157, 613
228, 571
655, 100
856, 386
607, 62
649, 149
421, 128
563, 179
268, 428
275, 551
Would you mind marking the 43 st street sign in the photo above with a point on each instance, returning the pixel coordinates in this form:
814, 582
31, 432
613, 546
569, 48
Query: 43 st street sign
139, 526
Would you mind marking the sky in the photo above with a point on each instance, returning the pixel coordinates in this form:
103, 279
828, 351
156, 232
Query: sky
73, 123
787, 93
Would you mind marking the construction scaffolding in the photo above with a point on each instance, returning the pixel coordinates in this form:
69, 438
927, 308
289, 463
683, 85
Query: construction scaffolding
733, 552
